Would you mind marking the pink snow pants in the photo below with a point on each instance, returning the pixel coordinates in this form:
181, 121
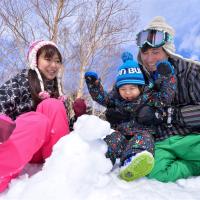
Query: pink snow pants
32, 139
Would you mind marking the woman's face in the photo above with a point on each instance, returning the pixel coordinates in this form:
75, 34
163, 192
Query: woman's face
49, 67
129, 92
151, 56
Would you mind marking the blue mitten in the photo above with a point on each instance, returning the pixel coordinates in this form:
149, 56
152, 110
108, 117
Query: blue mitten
91, 77
164, 68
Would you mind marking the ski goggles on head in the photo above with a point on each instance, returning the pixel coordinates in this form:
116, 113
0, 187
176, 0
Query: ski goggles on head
152, 37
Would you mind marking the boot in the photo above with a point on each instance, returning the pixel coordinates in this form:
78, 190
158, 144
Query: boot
137, 166
6, 127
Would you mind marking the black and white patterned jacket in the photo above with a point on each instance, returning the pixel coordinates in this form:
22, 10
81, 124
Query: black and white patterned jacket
15, 95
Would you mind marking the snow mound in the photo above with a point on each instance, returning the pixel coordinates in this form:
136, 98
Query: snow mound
90, 127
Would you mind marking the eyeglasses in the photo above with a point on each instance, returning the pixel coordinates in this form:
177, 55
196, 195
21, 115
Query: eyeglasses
152, 37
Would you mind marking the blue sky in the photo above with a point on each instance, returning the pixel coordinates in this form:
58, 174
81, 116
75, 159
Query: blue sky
183, 15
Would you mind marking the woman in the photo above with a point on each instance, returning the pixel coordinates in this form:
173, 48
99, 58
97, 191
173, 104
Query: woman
33, 98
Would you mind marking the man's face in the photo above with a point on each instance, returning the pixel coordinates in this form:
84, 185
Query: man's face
151, 56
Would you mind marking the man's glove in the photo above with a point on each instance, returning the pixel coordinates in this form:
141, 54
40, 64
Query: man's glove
164, 68
91, 77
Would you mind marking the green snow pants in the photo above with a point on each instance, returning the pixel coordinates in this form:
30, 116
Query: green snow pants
176, 157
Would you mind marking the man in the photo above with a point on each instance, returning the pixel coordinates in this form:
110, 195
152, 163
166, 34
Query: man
177, 150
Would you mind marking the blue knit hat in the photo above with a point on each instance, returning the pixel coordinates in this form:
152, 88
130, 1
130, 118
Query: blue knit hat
129, 72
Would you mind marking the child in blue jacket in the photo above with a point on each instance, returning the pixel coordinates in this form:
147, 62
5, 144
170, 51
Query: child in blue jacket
132, 142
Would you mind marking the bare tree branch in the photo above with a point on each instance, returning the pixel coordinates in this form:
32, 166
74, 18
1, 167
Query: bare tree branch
90, 33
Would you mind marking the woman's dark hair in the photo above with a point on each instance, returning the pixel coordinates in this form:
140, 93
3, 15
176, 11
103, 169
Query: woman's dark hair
145, 48
50, 51
34, 83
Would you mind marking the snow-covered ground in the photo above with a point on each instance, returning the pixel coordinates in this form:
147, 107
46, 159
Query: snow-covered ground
78, 170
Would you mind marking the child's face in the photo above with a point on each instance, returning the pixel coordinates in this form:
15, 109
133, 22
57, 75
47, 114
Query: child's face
49, 66
129, 92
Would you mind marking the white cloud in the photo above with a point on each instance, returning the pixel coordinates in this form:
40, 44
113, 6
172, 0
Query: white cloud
191, 39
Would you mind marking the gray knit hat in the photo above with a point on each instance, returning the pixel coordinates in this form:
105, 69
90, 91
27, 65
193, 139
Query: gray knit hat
159, 23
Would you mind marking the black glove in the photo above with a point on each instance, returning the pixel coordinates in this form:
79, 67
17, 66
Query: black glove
115, 116
146, 116
91, 77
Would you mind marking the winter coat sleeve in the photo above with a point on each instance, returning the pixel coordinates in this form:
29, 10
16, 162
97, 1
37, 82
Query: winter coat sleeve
167, 90
163, 93
188, 82
194, 85
12, 93
99, 95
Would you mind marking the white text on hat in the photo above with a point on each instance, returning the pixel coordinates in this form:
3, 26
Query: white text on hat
132, 70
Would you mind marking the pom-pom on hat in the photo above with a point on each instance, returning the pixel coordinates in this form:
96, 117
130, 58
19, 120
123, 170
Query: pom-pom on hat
129, 72
32, 61
159, 23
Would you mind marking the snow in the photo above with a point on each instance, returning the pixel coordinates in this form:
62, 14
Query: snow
78, 170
